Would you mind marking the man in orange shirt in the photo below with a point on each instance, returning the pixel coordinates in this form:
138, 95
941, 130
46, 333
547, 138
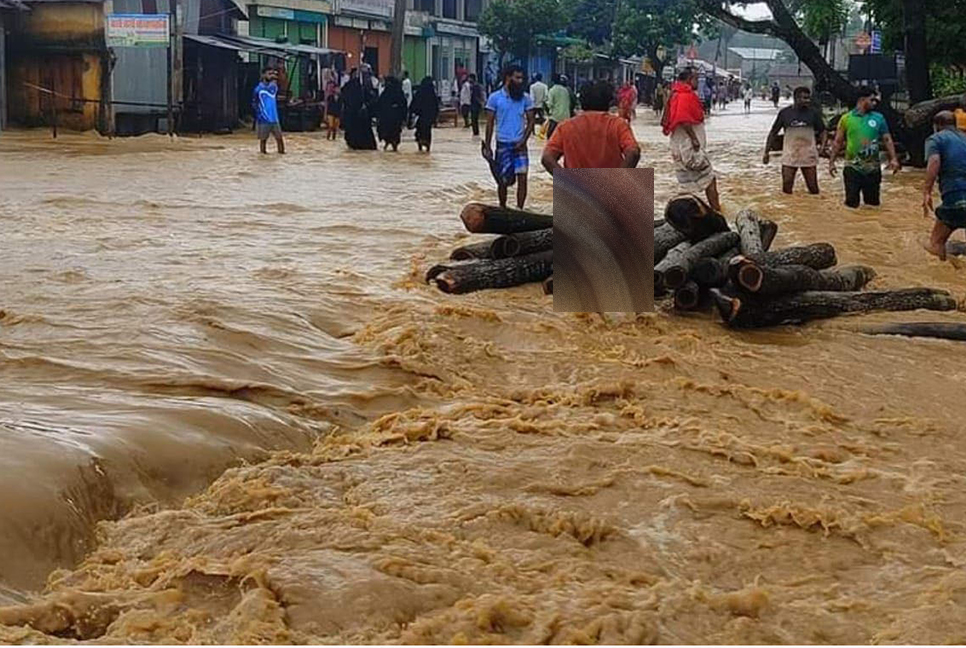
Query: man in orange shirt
594, 139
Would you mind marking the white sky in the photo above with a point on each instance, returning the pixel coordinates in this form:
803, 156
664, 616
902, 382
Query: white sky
755, 11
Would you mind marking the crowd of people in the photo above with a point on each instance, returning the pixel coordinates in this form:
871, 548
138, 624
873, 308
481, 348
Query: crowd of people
596, 138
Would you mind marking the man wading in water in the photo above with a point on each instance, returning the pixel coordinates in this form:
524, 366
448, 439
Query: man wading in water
510, 111
861, 130
946, 157
265, 105
804, 127
684, 122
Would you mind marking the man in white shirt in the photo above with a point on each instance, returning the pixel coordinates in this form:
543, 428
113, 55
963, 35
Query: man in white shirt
538, 92
407, 87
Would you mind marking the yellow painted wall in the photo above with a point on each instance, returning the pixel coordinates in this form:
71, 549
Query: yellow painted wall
57, 46
59, 22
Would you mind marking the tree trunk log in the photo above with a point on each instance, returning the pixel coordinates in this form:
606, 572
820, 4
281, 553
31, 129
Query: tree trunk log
916, 50
748, 226
666, 238
440, 268
746, 312
502, 273
670, 260
687, 297
921, 114
675, 273
781, 280
694, 218
713, 272
548, 285
492, 249
489, 219
817, 255
938, 330
528, 242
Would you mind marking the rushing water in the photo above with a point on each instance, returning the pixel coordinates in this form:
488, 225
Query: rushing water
407, 466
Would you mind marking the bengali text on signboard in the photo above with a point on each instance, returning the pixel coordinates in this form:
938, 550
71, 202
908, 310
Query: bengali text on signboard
137, 30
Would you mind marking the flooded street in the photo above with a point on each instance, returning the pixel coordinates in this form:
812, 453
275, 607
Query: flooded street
234, 361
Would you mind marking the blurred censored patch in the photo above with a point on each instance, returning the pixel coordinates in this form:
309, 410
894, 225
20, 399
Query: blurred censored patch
603, 240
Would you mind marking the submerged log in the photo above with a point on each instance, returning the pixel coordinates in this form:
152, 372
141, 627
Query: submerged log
748, 312
748, 226
502, 273
687, 297
694, 218
490, 219
937, 330
528, 242
548, 285
781, 280
712, 272
666, 238
676, 272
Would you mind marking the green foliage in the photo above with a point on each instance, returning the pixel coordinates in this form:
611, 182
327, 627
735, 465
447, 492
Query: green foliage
512, 25
593, 20
945, 28
644, 25
578, 53
821, 19
948, 81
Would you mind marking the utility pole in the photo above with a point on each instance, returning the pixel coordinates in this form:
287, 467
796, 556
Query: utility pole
177, 60
398, 34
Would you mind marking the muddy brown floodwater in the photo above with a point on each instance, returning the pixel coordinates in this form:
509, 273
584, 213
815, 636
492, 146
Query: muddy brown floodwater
231, 412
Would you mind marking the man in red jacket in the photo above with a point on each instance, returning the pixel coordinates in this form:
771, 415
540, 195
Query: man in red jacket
684, 122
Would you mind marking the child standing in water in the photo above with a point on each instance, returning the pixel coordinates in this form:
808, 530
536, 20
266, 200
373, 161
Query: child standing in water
333, 114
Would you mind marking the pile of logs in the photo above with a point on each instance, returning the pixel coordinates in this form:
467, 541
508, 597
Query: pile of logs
700, 261
522, 252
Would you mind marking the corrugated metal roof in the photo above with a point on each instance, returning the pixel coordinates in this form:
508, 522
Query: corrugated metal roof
756, 53
259, 45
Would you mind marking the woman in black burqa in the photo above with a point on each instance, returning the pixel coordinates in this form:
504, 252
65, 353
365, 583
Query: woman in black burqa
359, 98
425, 108
391, 112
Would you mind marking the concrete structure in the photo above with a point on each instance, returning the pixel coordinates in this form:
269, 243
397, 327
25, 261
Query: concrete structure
58, 65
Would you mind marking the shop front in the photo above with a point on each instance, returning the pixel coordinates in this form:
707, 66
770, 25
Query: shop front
361, 28
453, 52
297, 27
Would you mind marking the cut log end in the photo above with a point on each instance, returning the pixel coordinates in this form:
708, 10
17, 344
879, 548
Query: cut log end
505, 247
727, 306
548, 285
473, 217
687, 297
675, 277
446, 282
750, 277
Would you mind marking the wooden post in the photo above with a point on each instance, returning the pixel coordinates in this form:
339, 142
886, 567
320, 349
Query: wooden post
170, 128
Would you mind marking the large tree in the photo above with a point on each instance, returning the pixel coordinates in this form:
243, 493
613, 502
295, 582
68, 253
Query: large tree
643, 27
513, 25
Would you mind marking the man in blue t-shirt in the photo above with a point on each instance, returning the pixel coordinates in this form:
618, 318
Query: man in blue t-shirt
509, 111
946, 158
265, 107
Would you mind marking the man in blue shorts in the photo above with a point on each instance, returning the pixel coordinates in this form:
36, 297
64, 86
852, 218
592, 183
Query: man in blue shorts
265, 106
946, 158
510, 111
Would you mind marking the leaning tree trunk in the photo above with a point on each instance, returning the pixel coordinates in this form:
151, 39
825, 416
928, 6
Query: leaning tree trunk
938, 330
694, 218
502, 273
917, 50
675, 272
781, 280
489, 219
747, 312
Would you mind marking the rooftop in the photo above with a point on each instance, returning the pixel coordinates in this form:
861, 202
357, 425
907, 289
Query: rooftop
756, 53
